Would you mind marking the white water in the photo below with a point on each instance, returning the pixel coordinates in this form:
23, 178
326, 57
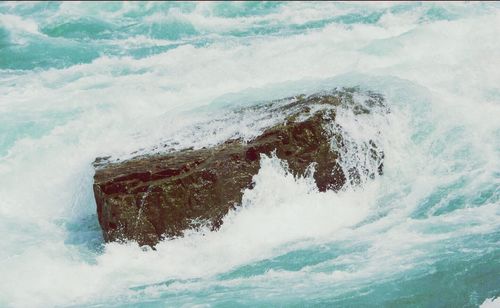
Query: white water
440, 79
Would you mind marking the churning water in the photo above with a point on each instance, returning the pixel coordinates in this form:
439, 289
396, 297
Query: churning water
81, 80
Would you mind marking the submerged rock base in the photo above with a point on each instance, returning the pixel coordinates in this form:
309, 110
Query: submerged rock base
149, 198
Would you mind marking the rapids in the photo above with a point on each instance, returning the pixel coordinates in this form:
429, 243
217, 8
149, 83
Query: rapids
82, 80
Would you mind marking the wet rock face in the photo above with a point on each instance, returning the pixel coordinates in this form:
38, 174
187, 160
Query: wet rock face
149, 198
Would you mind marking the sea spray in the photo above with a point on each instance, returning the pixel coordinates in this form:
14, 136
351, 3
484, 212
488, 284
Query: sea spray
78, 81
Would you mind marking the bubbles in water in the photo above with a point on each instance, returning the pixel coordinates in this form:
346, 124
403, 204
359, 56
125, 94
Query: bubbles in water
82, 81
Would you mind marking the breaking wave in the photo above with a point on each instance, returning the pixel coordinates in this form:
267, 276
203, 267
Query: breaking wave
79, 81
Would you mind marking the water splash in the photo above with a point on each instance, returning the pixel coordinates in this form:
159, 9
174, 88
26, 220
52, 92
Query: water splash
111, 78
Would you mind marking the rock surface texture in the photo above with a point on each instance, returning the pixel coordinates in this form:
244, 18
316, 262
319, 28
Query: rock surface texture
149, 198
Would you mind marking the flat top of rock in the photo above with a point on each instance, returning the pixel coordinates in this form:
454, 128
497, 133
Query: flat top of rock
296, 109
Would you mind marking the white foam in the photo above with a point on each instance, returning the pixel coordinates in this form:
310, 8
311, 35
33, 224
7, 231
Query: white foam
440, 79
14, 22
491, 303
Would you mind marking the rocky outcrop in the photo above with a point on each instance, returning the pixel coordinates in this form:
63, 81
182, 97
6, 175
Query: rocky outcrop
149, 198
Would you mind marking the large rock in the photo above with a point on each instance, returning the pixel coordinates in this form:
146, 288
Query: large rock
149, 198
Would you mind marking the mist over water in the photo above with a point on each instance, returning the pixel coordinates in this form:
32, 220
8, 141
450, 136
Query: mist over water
83, 80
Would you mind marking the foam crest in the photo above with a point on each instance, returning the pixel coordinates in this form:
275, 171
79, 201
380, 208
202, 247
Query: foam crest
432, 214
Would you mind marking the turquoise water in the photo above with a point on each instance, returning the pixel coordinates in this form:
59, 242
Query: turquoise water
81, 80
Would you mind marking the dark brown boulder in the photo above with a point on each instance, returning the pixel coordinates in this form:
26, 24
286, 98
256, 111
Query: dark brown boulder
149, 198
